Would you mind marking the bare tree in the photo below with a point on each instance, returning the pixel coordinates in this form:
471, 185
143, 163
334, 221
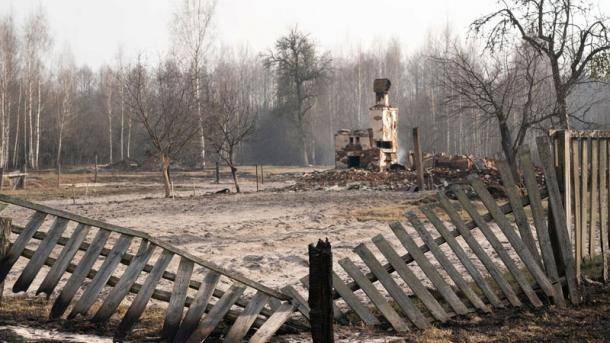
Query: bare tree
192, 32
8, 83
508, 90
107, 85
162, 101
567, 32
233, 119
65, 101
299, 68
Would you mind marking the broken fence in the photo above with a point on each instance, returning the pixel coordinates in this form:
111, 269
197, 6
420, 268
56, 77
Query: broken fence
104, 270
526, 270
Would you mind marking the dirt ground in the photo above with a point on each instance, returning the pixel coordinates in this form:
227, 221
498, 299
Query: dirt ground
264, 236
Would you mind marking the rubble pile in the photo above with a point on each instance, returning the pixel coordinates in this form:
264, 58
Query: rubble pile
444, 172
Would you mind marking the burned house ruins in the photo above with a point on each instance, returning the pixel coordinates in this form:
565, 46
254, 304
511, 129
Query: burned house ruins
374, 148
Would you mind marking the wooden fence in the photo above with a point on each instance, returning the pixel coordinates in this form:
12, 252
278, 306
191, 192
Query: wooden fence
528, 269
104, 254
582, 159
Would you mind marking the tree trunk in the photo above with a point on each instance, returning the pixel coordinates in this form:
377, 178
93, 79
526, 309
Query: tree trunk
167, 182
234, 175
122, 123
37, 127
129, 138
507, 147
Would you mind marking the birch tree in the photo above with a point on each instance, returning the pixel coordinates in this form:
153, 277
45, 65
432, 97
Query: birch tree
192, 26
8, 83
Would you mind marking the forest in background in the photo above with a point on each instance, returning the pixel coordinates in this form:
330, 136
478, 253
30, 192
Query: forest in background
53, 112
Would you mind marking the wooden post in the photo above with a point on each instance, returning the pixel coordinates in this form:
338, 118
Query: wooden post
95, 175
321, 292
58, 175
5, 235
1, 178
217, 172
24, 177
419, 165
257, 177
262, 175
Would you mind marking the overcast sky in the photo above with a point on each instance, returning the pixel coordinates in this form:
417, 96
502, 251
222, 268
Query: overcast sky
94, 29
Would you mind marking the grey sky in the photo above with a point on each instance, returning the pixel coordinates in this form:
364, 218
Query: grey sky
94, 29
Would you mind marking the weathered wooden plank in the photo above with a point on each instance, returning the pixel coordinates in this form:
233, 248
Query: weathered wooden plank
121, 289
37, 261
22, 240
303, 305
511, 191
139, 303
559, 218
422, 261
244, 322
594, 197
522, 251
352, 301
603, 205
576, 189
273, 324
502, 253
378, 300
410, 279
198, 307
101, 278
175, 308
542, 229
401, 298
135, 233
212, 319
476, 248
80, 273
463, 257
65, 256
585, 197
444, 262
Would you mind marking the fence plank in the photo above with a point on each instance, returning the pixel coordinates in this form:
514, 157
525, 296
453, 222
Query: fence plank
101, 278
559, 218
65, 256
198, 307
585, 198
80, 273
576, 190
526, 256
42, 252
542, 229
603, 205
303, 305
17, 247
242, 324
175, 308
472, 243
422, 261
139, 303
444, 262
214, 317
412, 312
594, 197
281, 315
410, 279
502, 253
463, 257
378, 300
511, 191
121, 289
352, 301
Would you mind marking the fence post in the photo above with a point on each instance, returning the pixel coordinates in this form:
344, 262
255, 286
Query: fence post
1, 178
321, 292
95, 175
262, 175
419, 164
5, 235
257, 177
217, 172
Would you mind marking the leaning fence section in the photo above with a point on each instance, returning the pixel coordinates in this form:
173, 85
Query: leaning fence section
451, 273
93, 268
583, 161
